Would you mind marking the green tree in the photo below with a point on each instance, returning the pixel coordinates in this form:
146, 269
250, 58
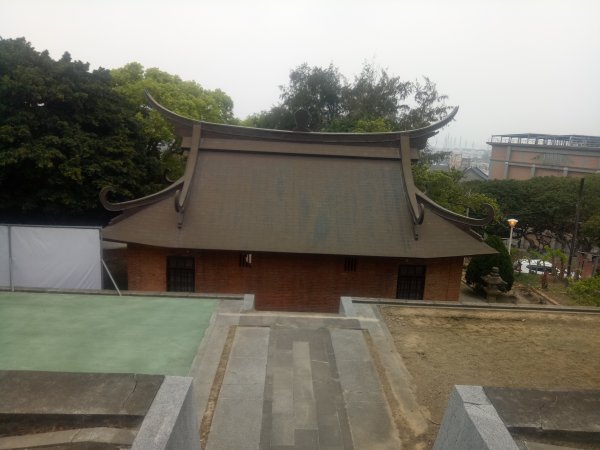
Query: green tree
317, 90
545, 207
589, 235
540, 204
590, 230
187, 98
64, 134
375, 95
373, 101
446, 190
482, 265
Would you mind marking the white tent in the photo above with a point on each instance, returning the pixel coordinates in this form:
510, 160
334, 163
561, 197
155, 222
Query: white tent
50, 257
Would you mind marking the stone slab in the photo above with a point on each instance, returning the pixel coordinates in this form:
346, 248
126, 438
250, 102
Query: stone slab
282, 429
541, 446
305, 414
550, 410
250, 342
368, 413
24, 392
349, 345
360, 377
238, 415
242, 371
109, 436
306, 440
236, 424
371, 426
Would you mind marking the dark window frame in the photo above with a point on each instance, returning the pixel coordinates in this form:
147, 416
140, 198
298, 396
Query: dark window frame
350, 264
181, 273
410, 284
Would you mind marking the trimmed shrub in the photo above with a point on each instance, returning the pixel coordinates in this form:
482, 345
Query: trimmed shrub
482, 265
586, 292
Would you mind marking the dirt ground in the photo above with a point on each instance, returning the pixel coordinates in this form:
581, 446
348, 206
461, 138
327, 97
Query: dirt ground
441, 348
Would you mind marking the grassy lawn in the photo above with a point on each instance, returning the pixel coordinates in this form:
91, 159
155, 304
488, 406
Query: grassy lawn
95, 333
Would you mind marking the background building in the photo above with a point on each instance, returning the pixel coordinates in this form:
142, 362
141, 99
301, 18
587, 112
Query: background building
524, 156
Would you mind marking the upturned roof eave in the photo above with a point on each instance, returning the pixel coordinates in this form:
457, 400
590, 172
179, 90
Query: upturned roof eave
184, 126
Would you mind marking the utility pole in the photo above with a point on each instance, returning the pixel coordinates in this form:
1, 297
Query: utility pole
574, 239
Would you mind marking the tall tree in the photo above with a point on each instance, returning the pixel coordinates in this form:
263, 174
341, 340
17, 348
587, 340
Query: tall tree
187, 98
64, 134
375, 95
545, 207
373, 101
317, 90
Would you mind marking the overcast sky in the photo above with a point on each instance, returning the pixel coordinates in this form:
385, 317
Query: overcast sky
511, 66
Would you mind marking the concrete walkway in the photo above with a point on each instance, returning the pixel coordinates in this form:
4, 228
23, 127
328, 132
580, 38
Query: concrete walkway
299, 381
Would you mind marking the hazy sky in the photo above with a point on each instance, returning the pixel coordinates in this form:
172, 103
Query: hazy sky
511, 66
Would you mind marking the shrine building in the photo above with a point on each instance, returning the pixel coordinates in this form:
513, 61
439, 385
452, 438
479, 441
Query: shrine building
296, 218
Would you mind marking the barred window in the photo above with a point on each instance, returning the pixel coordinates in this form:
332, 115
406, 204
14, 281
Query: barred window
411, 282
181, 274
350, 264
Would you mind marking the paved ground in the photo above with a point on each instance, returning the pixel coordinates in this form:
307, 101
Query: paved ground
96, 333
298, 381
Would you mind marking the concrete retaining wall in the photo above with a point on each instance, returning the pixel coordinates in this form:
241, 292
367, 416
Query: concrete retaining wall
171, 421
471, 422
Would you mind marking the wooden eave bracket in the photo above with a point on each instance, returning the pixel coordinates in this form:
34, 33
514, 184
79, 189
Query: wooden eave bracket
143, 201
182, 195
417, 211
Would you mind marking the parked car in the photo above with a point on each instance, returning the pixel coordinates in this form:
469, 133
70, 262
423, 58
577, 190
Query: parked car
536, 266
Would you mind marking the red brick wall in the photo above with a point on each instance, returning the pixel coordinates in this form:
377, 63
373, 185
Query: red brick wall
291, 282
442, 279
146, 268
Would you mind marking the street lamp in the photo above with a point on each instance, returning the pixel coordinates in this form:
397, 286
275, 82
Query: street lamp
511, 224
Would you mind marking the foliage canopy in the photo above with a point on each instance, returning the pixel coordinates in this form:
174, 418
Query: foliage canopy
64, 134
447, 190
586, 292
545, 208
187, 98
373, 101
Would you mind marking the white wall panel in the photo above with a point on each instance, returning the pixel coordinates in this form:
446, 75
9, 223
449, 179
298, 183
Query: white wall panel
4, 257
54, 257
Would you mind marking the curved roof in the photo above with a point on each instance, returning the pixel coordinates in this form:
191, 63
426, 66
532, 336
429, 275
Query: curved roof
418, 137
257, 190
296, 204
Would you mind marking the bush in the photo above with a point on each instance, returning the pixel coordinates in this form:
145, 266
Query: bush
482, 265
586, 292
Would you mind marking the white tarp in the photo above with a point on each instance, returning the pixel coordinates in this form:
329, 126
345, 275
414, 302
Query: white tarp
4, 257
56, 257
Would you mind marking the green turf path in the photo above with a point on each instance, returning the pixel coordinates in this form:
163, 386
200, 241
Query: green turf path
100, 333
